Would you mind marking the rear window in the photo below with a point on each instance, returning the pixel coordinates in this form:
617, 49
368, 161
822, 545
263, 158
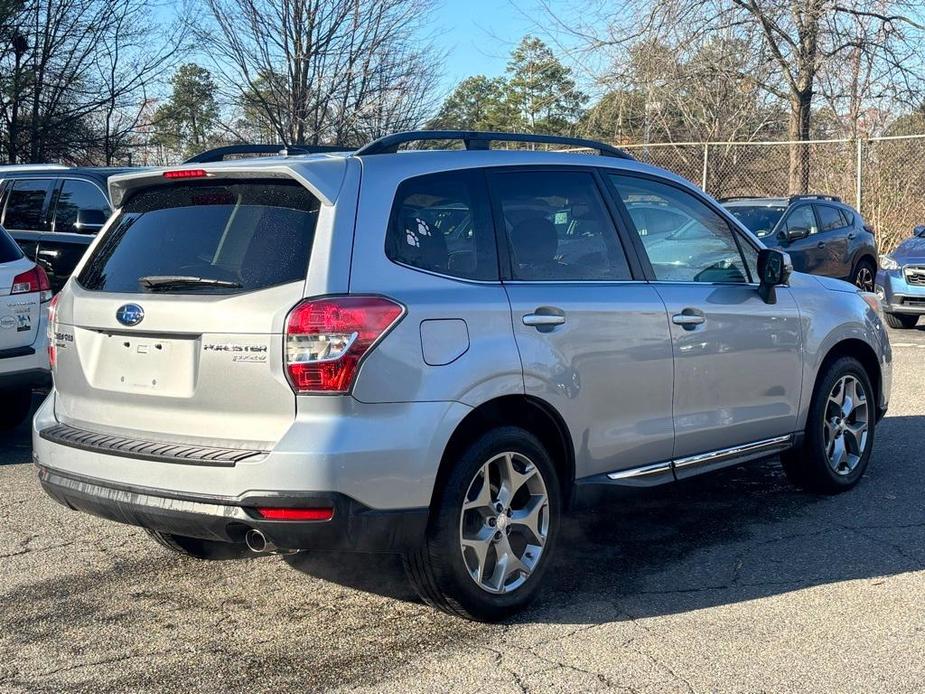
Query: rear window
760, 219
9, 251
235, 237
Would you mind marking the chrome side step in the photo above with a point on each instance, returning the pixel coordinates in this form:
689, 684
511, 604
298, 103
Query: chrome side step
689, 466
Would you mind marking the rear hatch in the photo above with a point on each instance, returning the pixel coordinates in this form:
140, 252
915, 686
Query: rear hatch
19, 299
172, 330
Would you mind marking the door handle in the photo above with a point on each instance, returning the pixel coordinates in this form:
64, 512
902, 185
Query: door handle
542, 320
689, 318
821, 244
851, 235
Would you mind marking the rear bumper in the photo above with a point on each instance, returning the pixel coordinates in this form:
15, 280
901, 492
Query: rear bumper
25, 367
385, 456
353, 527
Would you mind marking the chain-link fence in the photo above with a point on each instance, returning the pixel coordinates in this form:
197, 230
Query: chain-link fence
883, 177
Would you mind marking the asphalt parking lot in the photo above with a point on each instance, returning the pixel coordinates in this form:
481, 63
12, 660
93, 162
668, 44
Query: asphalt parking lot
733, 582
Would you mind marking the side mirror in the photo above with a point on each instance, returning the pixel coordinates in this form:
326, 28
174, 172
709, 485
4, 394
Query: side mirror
774, 268
919, 230
90, 221
797, 233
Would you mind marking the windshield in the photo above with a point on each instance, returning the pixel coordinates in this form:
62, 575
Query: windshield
206, 238
759, 219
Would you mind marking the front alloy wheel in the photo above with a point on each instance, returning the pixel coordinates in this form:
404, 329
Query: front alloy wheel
845, 426
504, 522
834, 451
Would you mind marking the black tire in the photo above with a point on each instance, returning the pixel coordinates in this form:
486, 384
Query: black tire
437, 569
864, 274
808, 466
17, 404
195, 548
900, 321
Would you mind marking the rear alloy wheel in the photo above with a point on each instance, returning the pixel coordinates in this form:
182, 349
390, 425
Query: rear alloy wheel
16, 406
900, 321
492, 529
839, 431
864, 276
504, 522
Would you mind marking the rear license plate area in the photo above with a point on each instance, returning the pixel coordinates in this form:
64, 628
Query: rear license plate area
145, 364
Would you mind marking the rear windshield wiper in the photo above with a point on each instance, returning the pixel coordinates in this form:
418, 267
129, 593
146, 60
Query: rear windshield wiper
155, 282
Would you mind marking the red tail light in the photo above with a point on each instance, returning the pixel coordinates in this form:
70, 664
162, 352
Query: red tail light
297, 514
326, 339
186, 173
34, 280
52, 329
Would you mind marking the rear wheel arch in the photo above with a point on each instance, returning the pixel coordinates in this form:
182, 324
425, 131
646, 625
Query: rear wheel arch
529, 413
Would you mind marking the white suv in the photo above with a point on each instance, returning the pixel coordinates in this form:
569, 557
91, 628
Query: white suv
24, 297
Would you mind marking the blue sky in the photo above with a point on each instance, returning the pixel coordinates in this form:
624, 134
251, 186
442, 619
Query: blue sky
478, 36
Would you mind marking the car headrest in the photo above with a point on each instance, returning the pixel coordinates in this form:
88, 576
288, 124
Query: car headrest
534, 241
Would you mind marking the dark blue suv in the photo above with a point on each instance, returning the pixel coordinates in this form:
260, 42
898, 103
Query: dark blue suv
822, 234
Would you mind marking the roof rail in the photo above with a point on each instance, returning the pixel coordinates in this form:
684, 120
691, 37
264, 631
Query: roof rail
476, 140
220, 153
833, 198
31, 167
730, 198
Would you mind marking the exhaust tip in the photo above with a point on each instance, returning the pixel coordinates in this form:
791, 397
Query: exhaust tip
256, 542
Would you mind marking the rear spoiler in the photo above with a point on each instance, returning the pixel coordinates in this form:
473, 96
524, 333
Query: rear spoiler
322, 176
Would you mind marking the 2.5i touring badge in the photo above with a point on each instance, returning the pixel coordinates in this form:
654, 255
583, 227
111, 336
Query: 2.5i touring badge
130, 314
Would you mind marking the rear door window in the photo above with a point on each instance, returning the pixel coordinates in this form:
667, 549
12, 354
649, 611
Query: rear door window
75, 196
26, 204
442, 223
558, 228
829, 218
206, 237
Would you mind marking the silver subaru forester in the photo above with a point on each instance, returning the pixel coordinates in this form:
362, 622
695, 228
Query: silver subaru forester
431, 352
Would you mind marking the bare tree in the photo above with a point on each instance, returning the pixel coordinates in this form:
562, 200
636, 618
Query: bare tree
801, 41
323, 70
79, 70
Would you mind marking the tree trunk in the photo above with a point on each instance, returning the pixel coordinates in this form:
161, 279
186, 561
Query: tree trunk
800, 105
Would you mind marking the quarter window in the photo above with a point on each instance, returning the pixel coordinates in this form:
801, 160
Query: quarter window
558, 228
699, 246
25, 205
442, 223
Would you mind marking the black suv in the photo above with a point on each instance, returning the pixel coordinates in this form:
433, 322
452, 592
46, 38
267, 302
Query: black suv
53, 212
822, 234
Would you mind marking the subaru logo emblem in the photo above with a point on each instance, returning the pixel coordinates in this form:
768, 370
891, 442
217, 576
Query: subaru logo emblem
130, 314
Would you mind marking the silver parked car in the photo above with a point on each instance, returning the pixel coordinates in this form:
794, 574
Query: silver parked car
430, 352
